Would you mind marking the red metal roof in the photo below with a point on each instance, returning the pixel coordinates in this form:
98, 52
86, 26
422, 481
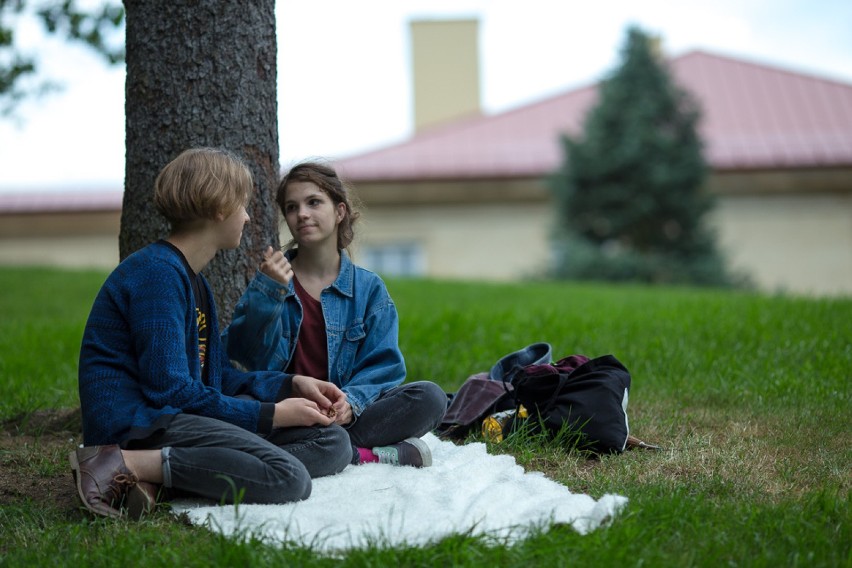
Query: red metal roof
754, 116
60, 201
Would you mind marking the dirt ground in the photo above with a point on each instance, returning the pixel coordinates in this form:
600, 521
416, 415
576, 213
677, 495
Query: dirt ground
34, 459
34, 467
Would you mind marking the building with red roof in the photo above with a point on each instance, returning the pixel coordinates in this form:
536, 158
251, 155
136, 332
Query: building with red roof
60, 228
468, 198
465, 197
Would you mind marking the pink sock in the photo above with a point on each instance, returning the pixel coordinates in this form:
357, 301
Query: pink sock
367, 455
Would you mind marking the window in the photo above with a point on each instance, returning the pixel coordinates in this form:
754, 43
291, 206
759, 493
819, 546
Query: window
394, 259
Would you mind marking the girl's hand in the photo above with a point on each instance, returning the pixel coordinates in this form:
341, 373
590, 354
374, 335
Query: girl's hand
299, 412
326, 395
276, 266
343, 412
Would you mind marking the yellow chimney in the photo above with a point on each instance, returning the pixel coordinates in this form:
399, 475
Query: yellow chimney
445, 67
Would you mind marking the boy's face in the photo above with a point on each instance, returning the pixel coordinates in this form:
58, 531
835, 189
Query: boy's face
232, 228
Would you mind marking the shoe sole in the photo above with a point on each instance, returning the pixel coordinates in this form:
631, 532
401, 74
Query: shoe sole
141, 501
75, 473
423, 448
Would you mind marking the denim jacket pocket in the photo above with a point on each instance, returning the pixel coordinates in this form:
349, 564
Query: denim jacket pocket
281, 355
352, 338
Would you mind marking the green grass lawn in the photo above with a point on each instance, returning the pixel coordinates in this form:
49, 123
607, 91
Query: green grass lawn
749, 395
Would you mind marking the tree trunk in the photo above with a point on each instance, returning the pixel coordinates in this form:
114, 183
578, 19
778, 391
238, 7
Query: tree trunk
201, 73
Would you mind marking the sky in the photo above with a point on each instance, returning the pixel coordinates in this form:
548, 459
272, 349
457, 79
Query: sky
345, 86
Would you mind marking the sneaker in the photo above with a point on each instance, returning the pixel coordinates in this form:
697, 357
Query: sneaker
413, 452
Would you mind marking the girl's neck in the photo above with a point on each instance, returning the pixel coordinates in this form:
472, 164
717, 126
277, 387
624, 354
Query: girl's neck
317, 264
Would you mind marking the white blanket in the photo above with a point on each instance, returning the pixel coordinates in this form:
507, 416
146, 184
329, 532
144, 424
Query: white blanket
466, 490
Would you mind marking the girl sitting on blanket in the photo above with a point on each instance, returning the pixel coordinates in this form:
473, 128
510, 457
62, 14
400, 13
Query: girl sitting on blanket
311, 311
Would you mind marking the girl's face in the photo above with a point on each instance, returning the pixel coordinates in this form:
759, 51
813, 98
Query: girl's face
311, 215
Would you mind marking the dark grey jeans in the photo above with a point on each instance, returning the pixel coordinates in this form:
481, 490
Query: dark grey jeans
407, 411
205, 456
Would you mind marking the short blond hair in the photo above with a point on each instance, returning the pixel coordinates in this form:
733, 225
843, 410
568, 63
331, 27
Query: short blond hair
202, 183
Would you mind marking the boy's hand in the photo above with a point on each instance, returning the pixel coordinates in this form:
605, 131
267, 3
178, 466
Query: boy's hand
276, 266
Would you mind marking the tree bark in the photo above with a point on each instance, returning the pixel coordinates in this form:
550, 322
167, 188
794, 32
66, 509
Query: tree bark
201, 73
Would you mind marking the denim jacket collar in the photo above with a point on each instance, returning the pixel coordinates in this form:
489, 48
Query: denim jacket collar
345, 281
362, 328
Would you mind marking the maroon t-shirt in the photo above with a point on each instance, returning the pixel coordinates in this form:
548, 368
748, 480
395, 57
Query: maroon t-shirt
311, 355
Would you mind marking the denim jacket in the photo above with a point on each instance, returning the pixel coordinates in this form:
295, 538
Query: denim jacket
361, 322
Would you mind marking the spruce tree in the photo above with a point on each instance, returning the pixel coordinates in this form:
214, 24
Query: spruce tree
629, 193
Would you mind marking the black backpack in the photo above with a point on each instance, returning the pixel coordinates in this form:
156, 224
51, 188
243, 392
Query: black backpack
590, 395
483, 394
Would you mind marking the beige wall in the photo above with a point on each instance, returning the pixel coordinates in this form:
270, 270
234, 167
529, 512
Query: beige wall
499, 242
94, 251
790, 243
73, 240
799, 243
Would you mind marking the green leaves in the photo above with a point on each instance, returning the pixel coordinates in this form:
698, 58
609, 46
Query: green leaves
99, 28
89, 27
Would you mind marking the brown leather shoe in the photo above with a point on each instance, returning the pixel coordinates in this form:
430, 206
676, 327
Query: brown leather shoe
141, 499
102, 478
